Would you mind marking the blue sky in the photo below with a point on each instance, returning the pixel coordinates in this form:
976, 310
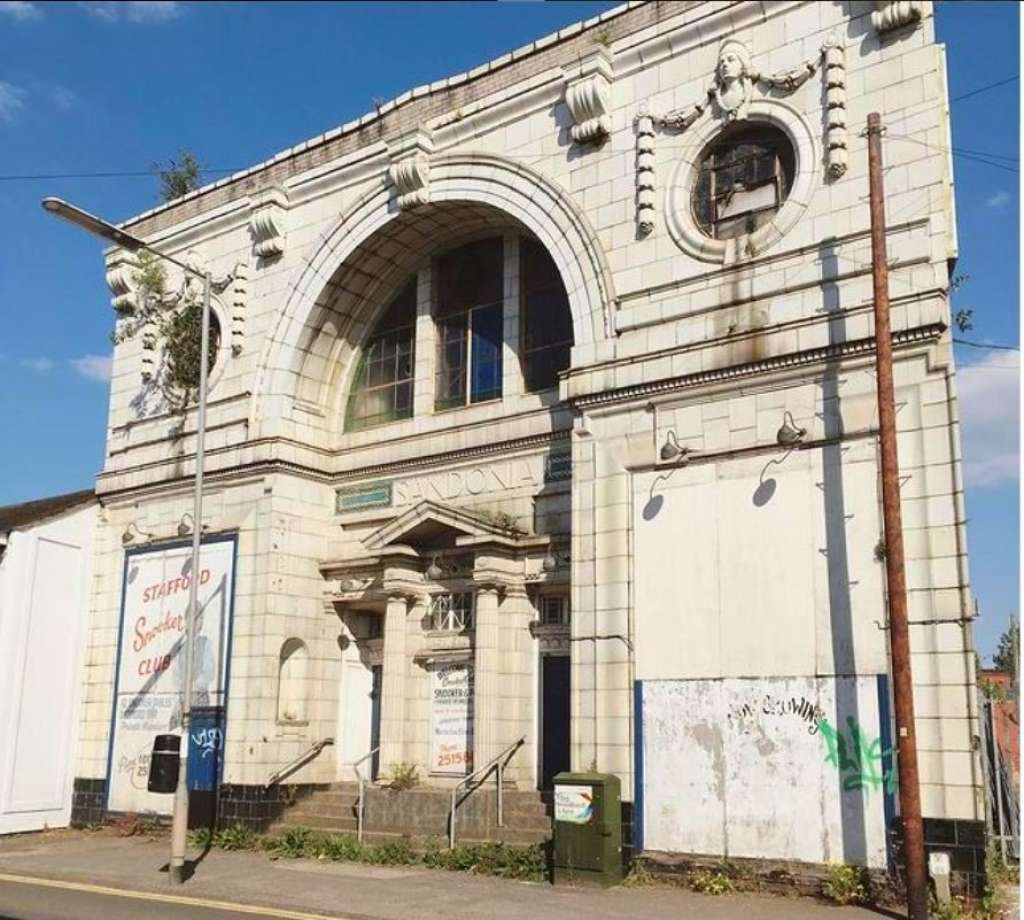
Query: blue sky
113, 87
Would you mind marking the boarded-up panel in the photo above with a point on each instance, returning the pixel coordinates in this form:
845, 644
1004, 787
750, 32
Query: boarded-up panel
792, 768
760, 566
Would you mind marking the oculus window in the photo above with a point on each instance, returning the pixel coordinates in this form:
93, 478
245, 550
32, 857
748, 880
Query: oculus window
745, 176
547, 322
382, 389
470, 322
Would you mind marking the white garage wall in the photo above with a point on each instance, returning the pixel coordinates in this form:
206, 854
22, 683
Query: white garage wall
43, 594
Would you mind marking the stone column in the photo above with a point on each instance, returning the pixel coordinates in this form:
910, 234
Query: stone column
516, 704
392, 703
487, 736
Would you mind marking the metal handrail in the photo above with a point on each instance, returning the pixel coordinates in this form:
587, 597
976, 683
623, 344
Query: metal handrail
362, 783
298, 762
500, 762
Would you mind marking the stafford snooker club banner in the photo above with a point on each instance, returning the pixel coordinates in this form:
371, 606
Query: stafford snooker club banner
151, 663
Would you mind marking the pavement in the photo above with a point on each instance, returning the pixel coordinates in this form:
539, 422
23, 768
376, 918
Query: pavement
63, 874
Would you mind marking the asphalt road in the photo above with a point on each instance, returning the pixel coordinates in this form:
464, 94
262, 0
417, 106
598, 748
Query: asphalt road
63, 901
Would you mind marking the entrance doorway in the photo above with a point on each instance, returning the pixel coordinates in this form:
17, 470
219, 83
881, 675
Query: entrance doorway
378, 676
554, 717
360, 715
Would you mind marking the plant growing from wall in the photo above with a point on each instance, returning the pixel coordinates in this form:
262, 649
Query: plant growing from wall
180, 176
502, 520
156, 314
403, 776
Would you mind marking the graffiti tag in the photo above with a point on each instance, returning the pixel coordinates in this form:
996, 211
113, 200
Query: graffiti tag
859, 761
208, 740
801, 709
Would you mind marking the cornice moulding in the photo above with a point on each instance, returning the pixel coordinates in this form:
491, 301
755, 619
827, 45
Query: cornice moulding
809, 357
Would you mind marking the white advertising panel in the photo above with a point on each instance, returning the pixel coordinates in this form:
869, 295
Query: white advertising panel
151, 668
451, 718
574, 804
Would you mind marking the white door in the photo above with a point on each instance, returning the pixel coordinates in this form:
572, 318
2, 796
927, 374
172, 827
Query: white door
355, 721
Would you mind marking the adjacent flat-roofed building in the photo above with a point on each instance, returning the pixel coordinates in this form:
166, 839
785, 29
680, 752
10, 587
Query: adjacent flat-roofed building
542, 407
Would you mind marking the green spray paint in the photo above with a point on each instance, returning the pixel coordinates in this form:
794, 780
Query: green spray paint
858, 760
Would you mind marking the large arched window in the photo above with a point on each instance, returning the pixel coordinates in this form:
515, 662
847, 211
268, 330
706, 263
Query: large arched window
547, 321
470, 328
474, 324
382, 389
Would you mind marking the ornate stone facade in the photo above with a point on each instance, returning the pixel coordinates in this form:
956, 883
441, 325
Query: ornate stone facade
639, 516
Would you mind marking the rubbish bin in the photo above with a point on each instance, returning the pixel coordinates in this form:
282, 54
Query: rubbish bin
164, 763
587, 829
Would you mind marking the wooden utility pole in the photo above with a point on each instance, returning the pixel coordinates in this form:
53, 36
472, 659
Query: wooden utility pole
895, 574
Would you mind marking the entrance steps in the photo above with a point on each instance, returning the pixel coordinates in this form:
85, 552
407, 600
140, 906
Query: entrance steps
422, 812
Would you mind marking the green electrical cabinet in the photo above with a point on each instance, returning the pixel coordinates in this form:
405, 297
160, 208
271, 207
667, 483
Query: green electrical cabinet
588, 829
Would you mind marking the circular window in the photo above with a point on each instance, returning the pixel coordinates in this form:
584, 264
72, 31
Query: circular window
745, 176
184, 347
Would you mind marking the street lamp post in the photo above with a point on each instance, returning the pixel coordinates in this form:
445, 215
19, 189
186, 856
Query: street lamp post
108, 231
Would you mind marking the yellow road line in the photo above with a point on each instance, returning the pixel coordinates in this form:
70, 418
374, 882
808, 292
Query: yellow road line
169, 898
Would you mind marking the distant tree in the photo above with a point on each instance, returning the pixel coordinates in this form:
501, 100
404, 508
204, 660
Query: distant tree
1008, 652
179, 177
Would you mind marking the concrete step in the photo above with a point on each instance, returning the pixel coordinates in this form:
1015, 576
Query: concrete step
423, 812
318, 823
419, 843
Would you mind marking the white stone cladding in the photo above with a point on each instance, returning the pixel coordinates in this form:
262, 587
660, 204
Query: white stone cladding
711, 342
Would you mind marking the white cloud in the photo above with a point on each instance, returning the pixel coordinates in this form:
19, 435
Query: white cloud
39, 365
142, 11
20, 10
998, 200
93, 367
12, 98
63, 97
989, 393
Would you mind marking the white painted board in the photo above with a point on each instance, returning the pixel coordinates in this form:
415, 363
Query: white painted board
770, 768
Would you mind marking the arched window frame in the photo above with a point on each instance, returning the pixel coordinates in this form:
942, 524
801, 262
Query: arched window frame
292, 683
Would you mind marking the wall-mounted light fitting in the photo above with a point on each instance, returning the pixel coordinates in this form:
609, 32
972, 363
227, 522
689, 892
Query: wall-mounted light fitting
673, 450
132, 533
549, 563
788, 434
185, 527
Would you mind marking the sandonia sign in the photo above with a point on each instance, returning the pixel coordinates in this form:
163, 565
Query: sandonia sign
529, 473
150, 670
451, 717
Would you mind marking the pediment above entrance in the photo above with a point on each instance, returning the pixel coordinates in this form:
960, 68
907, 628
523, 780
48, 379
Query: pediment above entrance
430, 525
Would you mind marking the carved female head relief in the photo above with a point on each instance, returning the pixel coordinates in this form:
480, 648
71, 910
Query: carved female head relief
733, 79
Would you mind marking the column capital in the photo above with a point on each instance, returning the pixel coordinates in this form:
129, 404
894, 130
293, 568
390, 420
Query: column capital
396, 591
